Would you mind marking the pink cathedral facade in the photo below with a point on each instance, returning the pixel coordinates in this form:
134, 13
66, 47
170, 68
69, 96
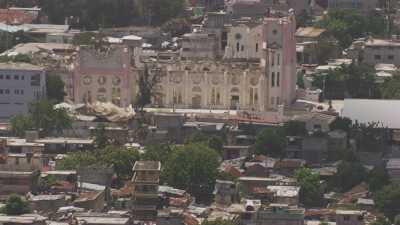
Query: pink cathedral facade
103, 75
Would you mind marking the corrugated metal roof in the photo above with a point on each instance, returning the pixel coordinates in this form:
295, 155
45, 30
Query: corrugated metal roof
309, 32
385, 112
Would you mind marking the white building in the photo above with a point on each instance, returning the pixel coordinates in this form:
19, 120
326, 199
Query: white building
20, 85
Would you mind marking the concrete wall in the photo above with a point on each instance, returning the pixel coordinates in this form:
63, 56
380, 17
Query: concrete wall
22, 163
199, 46
18, 183
96, 175
48, 205
95, 202
349, 219
389, 54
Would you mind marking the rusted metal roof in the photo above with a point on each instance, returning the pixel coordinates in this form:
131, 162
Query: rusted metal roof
311, 32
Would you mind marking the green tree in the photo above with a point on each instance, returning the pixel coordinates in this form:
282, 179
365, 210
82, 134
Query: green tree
78, 159
213, 141
177, 26
377, 178
326, 49
41, 113
371, 137
295, 128
156, 12
20, 124
100, 135
381, 221
15, 205
55, 88
222, 175
216, 143
347, 24
8, 40
193, 167
356, 81
341, 123
197, 137
271, 142
300, 79
90, 14
304, 19
360, 81
310, 187
349, 174
157, 152
218, 222
49, 119
146, 82
87, 38
22, 58
122, 159
390, 89
387, 200
60, 120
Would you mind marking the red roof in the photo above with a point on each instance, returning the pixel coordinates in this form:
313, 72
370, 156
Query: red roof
232, 171
125, 191
13, 16
358, 191
319, 212
260, 158
190, 220
179, 202
261, 190
289, 163
63, 186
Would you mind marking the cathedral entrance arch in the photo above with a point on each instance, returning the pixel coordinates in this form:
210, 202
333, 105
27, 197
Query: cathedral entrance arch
235, 102
235, 98
196, 102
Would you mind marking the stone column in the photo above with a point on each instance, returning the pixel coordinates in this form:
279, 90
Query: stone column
243, 91
187, 91
168, 90
226, 90
207, 90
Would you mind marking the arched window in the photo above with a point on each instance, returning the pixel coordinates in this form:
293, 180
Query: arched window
235, 90
251, 96
277, 79
213, 96
101, 90
196, 89
273, 79
255, 96
180, 98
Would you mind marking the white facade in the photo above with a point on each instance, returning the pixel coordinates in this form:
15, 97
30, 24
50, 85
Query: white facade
20, 85
244, 42
280, 59
258, 73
